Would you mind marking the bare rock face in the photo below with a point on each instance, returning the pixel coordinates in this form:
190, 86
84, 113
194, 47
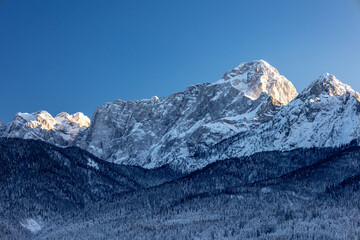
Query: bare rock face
61, 130
177, 129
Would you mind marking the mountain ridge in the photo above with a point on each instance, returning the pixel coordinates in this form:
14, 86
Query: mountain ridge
251, 108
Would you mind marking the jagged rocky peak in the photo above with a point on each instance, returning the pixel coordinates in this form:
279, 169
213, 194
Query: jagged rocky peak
328, 84
44, 120
254, 78
41, 119
79, 118
60, 130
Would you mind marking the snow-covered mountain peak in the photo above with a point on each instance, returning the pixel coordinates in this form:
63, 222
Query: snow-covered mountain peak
61, 130
44, 120
254, 78
328, 84
41, 119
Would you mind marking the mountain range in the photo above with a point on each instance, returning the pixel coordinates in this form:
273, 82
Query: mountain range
252, 108
246, 157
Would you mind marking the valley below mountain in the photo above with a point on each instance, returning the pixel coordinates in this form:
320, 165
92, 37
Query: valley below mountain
299, 194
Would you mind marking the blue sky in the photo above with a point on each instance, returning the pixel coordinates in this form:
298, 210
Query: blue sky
73, 56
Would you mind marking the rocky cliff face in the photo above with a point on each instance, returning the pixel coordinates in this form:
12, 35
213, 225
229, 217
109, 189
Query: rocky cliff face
60, 130
170, 130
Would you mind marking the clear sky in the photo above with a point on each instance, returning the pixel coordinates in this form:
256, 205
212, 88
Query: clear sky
74, 55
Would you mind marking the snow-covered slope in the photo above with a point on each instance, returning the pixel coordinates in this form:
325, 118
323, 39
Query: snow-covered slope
60, 130
325, 114
170, 130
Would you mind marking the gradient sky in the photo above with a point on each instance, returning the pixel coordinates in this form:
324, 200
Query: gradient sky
73, 56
